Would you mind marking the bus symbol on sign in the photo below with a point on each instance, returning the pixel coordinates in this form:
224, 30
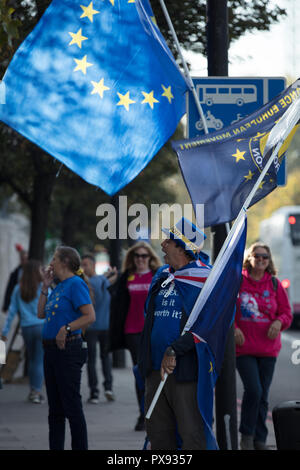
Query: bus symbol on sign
227, 94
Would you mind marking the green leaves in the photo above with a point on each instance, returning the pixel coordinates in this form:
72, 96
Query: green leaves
9, 26
189, 20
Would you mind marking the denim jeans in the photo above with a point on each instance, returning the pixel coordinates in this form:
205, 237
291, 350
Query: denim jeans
63, 378
256, 374
93, 337
33, 342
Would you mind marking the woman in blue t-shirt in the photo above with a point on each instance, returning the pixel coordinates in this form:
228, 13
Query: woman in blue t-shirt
67, 310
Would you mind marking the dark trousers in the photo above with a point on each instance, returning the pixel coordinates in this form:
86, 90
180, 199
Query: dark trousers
93, 337
132, 342
256, 374
62, 370
176, 412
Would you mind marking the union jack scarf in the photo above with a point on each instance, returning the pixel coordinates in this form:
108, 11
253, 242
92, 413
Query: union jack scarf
188, 280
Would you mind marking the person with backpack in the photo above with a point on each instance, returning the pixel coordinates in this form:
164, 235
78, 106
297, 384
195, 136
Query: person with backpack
263, 311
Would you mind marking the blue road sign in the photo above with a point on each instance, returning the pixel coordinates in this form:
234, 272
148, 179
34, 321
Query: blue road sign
225, 100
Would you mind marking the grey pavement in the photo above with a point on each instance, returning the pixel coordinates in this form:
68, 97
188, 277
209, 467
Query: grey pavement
23, 425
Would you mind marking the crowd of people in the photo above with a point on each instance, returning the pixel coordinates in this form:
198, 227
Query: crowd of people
67, 310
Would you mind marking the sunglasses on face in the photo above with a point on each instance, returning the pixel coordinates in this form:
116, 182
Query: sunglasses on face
143, 256
260, 255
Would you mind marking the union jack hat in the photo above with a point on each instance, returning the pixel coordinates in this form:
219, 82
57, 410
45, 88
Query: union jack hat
187, 235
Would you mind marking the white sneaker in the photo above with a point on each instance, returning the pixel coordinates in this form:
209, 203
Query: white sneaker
109, 395
37, 398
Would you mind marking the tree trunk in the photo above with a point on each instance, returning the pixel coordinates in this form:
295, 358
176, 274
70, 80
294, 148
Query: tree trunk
42, 190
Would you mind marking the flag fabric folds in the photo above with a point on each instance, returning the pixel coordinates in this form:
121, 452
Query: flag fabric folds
96, 86
211, 318
221, 168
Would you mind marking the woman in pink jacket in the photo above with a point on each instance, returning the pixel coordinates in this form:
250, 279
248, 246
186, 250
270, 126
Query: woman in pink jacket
263, 311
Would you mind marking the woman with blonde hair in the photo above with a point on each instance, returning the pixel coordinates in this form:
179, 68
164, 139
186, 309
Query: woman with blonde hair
67, 310
24, 301
129, 294
263, 311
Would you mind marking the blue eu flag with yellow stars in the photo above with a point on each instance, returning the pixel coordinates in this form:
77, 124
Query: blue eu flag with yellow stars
96, 86
220, 169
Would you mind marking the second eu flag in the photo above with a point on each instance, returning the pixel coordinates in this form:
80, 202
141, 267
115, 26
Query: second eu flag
96, 86
221, 168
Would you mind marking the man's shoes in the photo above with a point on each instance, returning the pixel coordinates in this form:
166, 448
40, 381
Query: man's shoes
109, 395
94, 399
247, 442
259, 445
140, 424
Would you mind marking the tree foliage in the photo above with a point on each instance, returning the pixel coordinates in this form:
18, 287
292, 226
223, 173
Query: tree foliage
189, 20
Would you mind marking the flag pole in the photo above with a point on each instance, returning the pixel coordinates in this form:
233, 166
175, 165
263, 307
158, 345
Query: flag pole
187, 73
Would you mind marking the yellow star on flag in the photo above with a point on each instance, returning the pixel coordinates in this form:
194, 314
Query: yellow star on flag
261, 184
99, 88
167, 93
125, 100
131, 1
77, 38
249, 176
149, 98
82, 65
239, 155
112, 2
89, 12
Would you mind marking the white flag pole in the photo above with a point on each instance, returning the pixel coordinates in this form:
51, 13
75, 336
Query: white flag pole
170, 24
292, 115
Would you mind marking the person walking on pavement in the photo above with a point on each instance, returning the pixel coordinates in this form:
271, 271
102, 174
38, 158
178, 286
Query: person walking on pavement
263, 311
24, 301
68, 310
98, 332
173, 292
14, 277
127, 306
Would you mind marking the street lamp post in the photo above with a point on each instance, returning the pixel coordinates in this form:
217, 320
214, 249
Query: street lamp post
225, 394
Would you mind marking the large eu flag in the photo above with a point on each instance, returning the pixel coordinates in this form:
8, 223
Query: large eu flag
221, 168
96, 86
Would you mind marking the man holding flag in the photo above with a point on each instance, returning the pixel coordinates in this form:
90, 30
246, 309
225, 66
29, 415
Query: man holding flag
189, 309
163, 350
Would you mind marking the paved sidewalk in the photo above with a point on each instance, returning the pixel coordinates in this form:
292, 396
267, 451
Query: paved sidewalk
23, 425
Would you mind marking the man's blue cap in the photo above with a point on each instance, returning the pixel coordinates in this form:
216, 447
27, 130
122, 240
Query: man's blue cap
187, 235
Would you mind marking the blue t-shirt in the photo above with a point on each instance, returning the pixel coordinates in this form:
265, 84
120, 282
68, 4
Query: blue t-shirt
101, 302
166, 325
63, 304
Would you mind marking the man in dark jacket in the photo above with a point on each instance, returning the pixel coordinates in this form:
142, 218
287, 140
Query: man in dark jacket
164, 350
